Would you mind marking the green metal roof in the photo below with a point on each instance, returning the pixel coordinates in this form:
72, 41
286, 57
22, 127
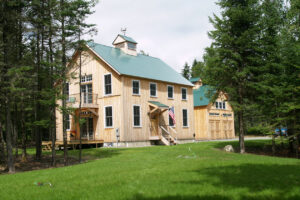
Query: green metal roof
139, 66
159, 104
200, 95
129, 39
194, 79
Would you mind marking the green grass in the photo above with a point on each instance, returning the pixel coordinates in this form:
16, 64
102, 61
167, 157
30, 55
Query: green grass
190, 171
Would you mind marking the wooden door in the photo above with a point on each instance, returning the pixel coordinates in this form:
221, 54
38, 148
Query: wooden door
212, 129
154, 127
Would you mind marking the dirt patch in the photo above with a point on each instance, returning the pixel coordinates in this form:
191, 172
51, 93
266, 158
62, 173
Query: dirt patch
32, 164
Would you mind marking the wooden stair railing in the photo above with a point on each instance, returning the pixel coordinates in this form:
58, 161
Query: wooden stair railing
166, 137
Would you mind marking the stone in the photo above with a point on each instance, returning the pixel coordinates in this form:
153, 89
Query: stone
228, 148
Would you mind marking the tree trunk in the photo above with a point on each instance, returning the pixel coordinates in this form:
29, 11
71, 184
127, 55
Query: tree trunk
241, 121
10, 156
80, 93
2, 146
64, 63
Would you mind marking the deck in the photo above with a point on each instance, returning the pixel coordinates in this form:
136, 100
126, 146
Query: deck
47, 145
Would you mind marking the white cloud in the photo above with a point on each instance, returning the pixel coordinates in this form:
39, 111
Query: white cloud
173, 30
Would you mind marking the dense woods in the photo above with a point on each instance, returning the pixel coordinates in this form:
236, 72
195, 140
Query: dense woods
255, 58
37, 39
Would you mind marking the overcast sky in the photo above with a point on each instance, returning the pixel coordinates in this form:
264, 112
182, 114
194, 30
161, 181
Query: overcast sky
172, 30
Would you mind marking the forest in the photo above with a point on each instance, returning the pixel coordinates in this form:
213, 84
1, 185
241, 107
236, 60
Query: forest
255, 58
37, 40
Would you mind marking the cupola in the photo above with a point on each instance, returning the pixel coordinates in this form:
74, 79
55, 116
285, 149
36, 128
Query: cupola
126, 44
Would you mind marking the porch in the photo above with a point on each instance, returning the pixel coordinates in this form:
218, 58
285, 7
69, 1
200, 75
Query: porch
47, 145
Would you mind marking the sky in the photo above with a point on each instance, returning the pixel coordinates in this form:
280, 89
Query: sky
172, 30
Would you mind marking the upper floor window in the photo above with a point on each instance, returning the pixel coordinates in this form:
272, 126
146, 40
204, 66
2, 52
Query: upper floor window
170, 92
131, 46
108, 117
153, 89
107, 84
183, 93
135, 87
136, 116
220, 105
87, 78
184, 117
68, 122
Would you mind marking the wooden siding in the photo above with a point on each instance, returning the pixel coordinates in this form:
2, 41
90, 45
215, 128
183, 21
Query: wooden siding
122, 101
211, 127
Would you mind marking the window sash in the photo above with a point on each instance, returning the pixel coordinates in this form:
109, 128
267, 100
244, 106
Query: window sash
136, 116
152, 89
68, 124
108, 116
107, 84
170, 92
135, 87
184, 117
184, 93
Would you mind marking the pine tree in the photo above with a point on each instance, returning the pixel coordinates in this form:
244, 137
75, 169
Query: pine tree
233, 54
186, 71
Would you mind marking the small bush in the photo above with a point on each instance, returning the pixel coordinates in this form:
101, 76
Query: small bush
258, 130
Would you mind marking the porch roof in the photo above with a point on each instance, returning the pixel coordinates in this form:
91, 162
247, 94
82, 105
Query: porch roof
158, 104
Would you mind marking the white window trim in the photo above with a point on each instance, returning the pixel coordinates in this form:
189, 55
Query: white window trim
140, 126
186, 94
174, 125
187, 116
112, 116
104, 85
155, 89
168, 92
139, 87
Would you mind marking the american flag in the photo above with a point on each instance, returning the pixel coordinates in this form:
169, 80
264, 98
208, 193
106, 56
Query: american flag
172, 114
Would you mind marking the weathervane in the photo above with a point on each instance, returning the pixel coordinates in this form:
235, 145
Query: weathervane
124, 30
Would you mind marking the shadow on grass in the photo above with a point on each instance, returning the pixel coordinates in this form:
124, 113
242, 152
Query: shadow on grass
182, 197
259, 179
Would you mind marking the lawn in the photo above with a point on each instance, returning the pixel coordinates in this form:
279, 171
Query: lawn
190, 171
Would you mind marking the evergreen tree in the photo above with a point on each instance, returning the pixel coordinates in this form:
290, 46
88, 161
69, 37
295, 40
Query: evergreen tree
233, 54
186, 71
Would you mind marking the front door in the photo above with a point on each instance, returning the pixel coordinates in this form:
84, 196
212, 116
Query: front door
154, 126
87, 129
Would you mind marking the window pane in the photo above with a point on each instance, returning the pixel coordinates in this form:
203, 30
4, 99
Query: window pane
131, 46
184, 117
68, 122
170, 92
171, 123
136, 116
89, 78
108, 116
220, 105
217, 105
224, 107
107, 81
152, 89
183, 92
135, 87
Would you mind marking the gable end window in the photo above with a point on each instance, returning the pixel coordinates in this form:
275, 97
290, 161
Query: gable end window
135, 87
108, 117
107, 84
136, 116
184, 117
183, 93
170, 92
153, 89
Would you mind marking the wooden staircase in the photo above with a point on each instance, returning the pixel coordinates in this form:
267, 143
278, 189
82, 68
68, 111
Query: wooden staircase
166, 138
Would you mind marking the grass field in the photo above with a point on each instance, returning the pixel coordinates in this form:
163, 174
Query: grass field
190, 171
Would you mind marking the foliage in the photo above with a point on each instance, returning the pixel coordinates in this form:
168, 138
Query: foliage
186, 71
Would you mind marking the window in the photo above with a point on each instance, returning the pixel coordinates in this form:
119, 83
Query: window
170, 91
184, 117
131, 46
87, 78
153, 89
224, 107
67, 91
135, 87
217, 105
68, 122
183, 93
136, 116
107, 84
108, 117
221, 105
